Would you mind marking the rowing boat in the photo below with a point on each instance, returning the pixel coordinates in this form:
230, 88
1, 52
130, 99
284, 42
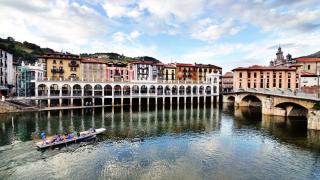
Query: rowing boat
85, 135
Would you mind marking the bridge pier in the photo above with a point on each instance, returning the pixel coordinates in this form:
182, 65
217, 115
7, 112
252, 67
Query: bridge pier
314, 119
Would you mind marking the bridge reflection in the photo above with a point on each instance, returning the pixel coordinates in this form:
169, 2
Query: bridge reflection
120, 122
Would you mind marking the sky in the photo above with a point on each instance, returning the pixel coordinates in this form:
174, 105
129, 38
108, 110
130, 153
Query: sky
227, 33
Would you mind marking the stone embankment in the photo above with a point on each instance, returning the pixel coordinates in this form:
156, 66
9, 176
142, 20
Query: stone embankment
7, 107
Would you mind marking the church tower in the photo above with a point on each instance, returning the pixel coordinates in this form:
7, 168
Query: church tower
280, 58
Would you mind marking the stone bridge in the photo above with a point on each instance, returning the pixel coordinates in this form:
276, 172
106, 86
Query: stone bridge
282, 104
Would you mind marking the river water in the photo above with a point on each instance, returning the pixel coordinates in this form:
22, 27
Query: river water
162, 143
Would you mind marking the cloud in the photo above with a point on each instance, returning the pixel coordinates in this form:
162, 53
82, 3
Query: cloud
60, 24
207, 30
120, 8
271, 15
135, 34
168, 9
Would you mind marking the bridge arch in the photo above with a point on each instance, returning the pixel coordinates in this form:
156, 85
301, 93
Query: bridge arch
251, 100
293, 109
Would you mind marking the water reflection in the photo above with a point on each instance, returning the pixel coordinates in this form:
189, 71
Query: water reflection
162, 143
125, 122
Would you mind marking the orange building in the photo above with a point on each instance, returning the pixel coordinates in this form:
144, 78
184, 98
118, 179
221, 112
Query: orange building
266, 77
186, 72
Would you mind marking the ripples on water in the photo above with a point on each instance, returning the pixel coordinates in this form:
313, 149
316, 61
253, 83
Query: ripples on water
162, 143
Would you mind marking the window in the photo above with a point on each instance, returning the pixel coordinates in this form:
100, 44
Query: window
61, 62
255, 75
308, 66
249, 74
240, 75
54, 62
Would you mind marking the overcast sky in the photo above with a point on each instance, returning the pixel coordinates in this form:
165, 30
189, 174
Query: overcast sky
227, 33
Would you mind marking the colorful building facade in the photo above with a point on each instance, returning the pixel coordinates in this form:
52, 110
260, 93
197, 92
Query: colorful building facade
266, 77
61, 66
227, 82
93, 70
117, 71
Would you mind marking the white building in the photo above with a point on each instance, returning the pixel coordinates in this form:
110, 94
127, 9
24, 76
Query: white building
6, 72
27, 75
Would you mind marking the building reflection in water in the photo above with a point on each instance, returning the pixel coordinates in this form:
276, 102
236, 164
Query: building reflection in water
120, 122
132, 122
292, 130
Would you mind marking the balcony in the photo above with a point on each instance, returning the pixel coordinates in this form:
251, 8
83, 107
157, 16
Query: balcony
73, 64
54, 71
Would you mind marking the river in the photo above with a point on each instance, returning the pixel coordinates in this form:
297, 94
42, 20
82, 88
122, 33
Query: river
161, 143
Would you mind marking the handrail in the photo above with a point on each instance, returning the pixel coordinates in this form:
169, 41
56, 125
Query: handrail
285, 93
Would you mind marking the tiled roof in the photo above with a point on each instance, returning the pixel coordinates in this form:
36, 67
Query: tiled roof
228, 74
184, 65
94, 61
306, 74
308, 60
265, 68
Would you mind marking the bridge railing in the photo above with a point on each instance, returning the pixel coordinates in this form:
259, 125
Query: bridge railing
287, 93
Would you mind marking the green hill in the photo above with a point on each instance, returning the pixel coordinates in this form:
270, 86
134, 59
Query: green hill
314, 55
28, 52
25, 51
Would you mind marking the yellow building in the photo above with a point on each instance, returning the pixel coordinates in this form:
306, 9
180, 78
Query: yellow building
169, 72
61, 66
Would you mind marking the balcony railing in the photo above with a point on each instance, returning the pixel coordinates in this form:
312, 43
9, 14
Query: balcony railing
61, 71
72, 64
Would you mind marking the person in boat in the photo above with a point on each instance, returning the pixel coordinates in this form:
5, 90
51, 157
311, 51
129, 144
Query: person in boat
43, 137
92, 130
69, 136
54, 139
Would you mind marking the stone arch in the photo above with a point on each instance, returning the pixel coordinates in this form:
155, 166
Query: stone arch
144, 89
76, 90
160, 90
208, 90
117, 90
167, 90
174, 90
188, 90
108, 90
201, 90
231, 98
126, 90
87, 89
66, 90
42, 90
195, 90
251, 100
214, 89
293, 109
152, 89
135, 89
181, 90
54, 90
98, 90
